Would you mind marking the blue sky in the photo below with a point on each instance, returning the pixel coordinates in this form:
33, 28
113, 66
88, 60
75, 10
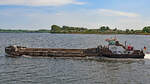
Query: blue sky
41, 14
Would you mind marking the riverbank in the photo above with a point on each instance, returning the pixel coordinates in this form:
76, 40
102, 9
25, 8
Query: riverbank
80, 30
48, 31
24, 31
102, 30
106, 33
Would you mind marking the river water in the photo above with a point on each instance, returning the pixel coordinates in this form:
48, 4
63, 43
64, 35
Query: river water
27, 70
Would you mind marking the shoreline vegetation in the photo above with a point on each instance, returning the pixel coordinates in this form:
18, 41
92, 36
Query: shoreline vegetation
24, 31
80, 30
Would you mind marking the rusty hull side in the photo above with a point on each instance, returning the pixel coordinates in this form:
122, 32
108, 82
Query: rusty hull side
50, 52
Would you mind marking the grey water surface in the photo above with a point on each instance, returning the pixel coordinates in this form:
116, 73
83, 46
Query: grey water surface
24, 70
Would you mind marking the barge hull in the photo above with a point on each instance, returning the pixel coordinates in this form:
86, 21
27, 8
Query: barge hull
49, 52
141, 56
100, 51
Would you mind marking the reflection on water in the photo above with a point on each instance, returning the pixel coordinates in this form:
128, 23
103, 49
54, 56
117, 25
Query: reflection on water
27, 70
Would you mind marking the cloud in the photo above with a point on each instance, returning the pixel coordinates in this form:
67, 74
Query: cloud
37, 19
40, 2
108, 12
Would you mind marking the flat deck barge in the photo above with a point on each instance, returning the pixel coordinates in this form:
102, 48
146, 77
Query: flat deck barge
113, 50
100, 51
51, 52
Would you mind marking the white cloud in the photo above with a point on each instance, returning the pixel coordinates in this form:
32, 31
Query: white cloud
29, 19
40, 2
108, 12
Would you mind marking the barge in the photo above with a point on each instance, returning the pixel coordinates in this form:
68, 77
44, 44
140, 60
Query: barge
113, 50
50, 52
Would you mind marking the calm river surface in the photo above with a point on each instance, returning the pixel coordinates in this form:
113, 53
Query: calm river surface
24, 70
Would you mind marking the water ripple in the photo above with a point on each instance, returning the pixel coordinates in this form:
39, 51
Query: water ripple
27, 70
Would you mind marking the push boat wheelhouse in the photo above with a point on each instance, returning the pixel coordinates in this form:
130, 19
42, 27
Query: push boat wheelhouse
117, 50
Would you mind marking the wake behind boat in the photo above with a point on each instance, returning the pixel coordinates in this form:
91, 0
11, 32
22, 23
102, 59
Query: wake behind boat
114, 49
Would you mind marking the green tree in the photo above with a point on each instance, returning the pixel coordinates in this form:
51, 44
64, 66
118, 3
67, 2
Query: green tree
146, 29
104, 28
127, 30
115, 29
55, 28
66, 28
132, 30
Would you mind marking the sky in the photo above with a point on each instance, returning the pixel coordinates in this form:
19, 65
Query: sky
92, 14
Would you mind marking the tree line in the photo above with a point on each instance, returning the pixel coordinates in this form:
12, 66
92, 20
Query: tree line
101, 30
24, 31
81, 30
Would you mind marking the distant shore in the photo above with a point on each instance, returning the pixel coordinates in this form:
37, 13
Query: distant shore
55, 29
108, 33
48, 31
24, 31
